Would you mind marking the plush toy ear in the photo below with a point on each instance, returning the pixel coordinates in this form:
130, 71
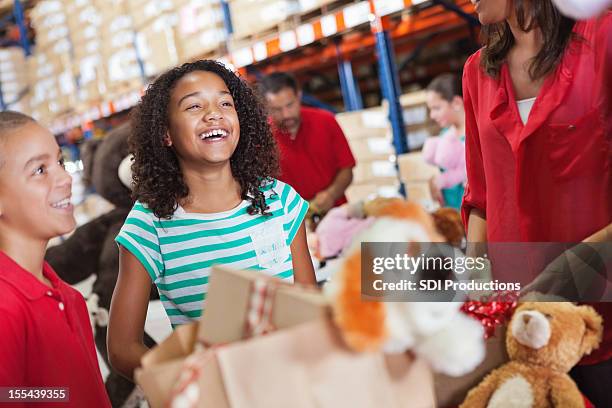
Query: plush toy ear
593, 329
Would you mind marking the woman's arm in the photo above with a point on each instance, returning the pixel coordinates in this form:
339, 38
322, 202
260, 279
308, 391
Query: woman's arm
477, 226
476, 233
128, 313
303, 271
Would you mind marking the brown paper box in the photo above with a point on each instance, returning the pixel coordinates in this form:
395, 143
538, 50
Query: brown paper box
178, 345
162, 366
308, 366
225, 310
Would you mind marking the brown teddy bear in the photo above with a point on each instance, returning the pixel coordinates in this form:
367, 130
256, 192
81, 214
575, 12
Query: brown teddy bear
544, 341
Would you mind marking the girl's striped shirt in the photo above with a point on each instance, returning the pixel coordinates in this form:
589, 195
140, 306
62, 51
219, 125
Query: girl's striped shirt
178, 253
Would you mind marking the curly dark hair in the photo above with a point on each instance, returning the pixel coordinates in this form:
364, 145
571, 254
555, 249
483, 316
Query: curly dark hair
158, 181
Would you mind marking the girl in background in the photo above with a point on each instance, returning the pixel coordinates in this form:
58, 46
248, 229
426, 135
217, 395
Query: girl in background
447, 151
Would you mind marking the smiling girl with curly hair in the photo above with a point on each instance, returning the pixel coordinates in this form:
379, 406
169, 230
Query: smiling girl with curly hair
204, 161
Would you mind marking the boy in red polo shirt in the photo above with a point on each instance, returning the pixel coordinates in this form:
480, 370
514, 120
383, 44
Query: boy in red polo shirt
46, 339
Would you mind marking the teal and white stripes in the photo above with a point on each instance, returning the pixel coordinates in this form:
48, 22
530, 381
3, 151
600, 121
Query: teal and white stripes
178, 253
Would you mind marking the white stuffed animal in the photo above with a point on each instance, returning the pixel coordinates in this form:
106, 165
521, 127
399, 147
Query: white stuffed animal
452, 342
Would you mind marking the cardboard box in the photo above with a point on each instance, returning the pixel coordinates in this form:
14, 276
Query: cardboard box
23, 105
375, 171
113, 24
303, 364
77, 4
368, 191
47, 37
309, 5
418, 191
226, 307
92, 91
48, 21
85, 34
110, 9
250, 17
373, 148
122, 65
143, 11
91, 46
413, 168
413, 98
363, 124
61, 46
118, 40
89, 67
43, 65
197, 44
304, 367
46, 7
196, 16
157, 47
10, 54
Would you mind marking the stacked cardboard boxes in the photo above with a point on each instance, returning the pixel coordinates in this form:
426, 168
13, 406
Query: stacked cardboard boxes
201, 27
250, 17
50, 68
371, 139
88, 60
14, 80
375, 173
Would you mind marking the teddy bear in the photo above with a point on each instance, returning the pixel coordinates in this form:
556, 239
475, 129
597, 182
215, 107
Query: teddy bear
544, 341
91, 248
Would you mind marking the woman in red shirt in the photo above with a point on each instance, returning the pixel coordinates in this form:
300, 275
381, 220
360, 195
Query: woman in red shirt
538, 101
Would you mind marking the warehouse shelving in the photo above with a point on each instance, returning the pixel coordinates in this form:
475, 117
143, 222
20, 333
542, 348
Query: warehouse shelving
330, 41
344, 32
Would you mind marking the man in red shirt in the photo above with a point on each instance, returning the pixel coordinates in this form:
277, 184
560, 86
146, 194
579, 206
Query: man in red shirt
315, 157
46, 338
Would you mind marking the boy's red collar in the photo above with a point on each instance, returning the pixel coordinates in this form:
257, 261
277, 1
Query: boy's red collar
22, 280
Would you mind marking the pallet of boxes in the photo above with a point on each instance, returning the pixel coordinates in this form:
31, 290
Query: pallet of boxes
371, 140
14, 80
50, 68
375, 173
265, 343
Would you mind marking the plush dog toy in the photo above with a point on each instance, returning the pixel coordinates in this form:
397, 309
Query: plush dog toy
544, 341
428, 329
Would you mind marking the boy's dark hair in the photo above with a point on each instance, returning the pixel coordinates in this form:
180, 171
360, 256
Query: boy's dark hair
276, 82
447, 86
11, 120
556, 35
157, 176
